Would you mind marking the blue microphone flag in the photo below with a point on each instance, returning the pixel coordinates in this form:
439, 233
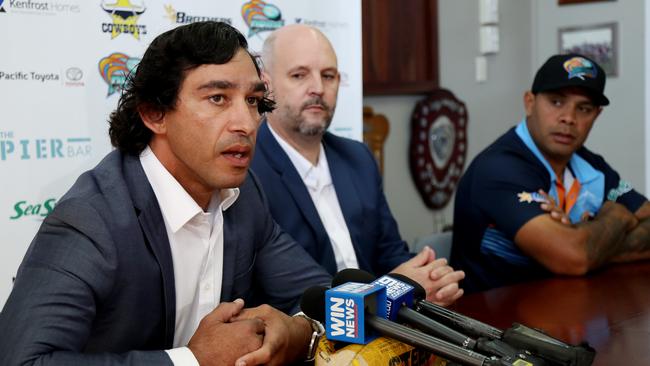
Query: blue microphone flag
345, 311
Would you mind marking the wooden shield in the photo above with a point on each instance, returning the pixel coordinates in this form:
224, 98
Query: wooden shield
438, 146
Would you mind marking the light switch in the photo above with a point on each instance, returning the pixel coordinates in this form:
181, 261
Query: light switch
489, 39
481, 69
488, 12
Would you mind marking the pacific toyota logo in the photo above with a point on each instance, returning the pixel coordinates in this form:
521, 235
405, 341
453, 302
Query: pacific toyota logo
74, 74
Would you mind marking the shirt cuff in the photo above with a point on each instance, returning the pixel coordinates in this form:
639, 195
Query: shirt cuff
182, 356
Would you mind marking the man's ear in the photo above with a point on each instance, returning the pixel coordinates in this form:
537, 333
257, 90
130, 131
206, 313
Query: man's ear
529, 101
266, 79
153, 118
600, 109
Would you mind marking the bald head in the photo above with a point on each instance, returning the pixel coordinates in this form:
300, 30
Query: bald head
299, 37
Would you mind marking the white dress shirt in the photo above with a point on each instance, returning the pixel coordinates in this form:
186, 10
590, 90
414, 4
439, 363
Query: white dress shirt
318, 181
196, 242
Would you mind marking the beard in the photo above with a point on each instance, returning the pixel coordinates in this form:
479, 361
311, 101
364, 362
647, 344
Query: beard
313, 128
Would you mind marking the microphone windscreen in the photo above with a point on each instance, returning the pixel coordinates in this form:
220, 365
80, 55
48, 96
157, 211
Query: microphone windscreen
418, 292
312, 303
352, 275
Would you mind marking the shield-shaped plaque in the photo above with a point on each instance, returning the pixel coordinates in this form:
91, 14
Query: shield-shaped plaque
438, 146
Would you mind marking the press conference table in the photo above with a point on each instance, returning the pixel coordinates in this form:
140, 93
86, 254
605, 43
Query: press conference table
610, 309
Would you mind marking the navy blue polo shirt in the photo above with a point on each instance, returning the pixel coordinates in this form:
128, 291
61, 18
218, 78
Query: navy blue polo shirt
497, 195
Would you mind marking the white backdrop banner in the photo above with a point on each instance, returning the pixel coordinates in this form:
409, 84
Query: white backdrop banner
62, 67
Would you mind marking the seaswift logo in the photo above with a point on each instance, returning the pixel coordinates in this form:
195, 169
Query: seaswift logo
37, 210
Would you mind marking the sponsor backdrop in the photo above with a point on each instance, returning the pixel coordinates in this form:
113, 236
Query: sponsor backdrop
62, 67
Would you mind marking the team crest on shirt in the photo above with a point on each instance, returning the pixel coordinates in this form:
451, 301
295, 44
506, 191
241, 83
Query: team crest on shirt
615, 193
529, 197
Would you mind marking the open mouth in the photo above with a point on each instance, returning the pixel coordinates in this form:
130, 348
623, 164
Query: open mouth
238, 156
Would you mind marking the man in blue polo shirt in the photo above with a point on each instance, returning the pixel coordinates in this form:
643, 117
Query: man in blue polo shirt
537, 202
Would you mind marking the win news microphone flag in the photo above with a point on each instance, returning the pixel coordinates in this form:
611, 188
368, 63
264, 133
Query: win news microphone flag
313, 305
400, 298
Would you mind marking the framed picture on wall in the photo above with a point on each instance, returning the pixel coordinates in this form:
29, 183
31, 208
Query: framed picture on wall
598, 42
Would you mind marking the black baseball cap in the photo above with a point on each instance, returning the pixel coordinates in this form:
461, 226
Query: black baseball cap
571, 70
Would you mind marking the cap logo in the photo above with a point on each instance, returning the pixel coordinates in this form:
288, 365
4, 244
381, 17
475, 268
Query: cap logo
579, 67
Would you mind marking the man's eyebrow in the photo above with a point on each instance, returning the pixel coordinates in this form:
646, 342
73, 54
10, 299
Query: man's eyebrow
224, 84
218, 84
258, 87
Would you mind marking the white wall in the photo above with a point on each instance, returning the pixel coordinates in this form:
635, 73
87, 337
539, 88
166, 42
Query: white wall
493, 106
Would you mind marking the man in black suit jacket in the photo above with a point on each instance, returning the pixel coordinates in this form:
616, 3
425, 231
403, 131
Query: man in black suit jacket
100, 282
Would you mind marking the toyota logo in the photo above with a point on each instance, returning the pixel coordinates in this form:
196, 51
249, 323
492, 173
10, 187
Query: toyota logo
74, 74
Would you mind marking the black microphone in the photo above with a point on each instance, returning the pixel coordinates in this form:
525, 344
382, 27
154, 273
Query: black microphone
469, 325
313, 305
518, 335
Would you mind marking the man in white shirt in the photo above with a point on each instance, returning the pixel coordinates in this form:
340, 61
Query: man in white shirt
151, 256
324, 190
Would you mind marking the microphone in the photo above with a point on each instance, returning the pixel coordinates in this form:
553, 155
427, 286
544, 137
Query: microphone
400, 298
313, 304
465, 323
518, 335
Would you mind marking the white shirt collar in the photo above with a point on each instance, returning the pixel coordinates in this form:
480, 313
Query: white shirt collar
313, 176
176, 205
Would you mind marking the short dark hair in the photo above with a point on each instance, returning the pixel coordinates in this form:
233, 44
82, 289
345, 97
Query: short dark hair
159, 75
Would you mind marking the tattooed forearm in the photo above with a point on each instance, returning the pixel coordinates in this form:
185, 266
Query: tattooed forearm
638, 240
606, 235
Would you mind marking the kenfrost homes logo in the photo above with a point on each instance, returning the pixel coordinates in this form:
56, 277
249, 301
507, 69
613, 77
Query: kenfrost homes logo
115, 69
125, 17
54, 148
261, 16
181, 17
322, 24
37, 210
38, 7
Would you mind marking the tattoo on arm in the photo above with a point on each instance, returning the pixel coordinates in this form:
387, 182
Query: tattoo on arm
607, 236
638, 240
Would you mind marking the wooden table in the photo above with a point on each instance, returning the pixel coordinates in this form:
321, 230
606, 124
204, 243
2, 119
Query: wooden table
610, 309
